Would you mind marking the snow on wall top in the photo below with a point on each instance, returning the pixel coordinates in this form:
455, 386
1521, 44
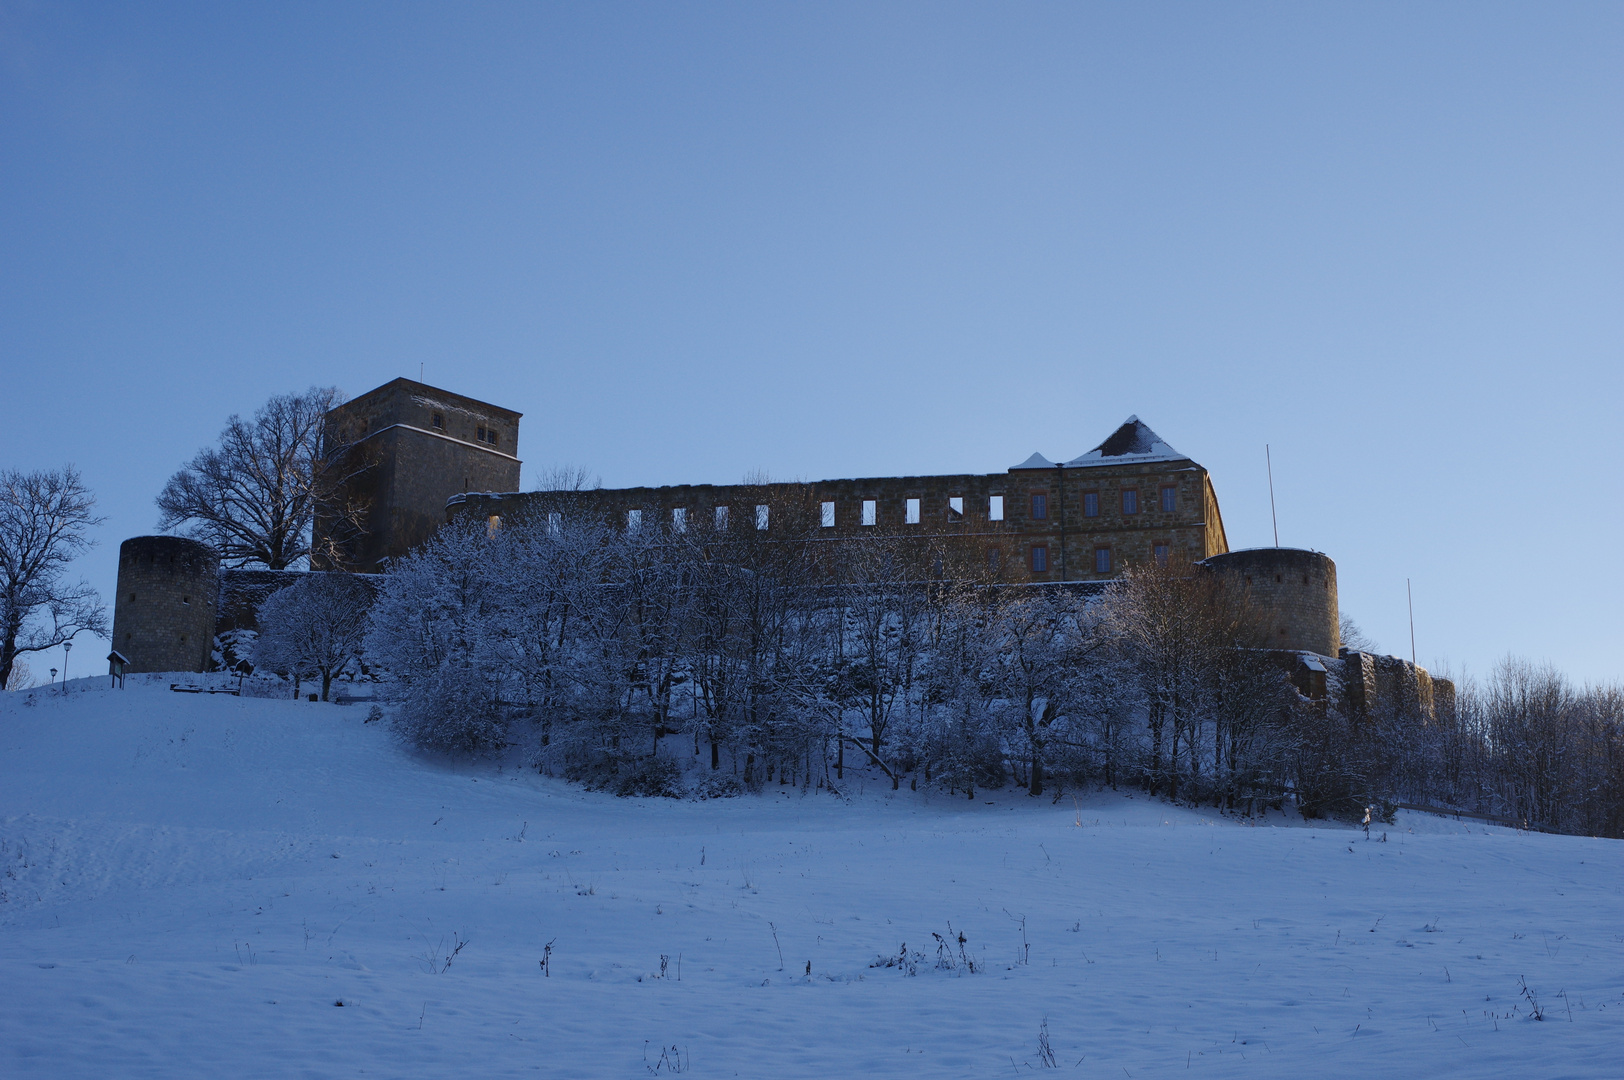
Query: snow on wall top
1133, 442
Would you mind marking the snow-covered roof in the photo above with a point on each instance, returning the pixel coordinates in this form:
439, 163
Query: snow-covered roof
1130, 443
1133, 441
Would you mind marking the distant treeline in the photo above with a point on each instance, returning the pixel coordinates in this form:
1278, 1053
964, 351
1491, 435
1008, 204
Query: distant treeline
660, 660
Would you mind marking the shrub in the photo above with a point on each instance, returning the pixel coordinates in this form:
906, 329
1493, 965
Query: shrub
718, 787
650, 777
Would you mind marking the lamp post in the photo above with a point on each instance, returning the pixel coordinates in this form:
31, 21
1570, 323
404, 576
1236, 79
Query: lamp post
66, 645
53, 676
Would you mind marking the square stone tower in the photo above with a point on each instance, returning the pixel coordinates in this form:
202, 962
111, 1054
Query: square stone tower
406, 448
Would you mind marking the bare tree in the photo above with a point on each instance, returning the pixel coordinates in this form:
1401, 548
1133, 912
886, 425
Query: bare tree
567, 478
255, 495
44, 518
1354, 637
21, 677
315, 626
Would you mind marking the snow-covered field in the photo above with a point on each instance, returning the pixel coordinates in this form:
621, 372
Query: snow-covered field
192, 885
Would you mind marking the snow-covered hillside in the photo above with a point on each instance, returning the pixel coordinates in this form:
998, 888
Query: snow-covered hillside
192, 885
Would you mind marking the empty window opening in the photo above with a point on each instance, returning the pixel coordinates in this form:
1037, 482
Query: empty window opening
679, 519
186, 600
492, 523
761, 517
721, 519
479, 434
828, 515
912, 516
1102, 560
634, 520
438, 422
555, 523
1040, 506
1160, 552
995, 508
1040, 558
1170, 499
955, 508
871, 512
132, 598
1130, 500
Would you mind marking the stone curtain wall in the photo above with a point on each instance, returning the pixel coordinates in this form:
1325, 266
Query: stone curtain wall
163, 615
1068, 538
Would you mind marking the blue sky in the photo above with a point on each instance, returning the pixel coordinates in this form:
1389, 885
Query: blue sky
691, 241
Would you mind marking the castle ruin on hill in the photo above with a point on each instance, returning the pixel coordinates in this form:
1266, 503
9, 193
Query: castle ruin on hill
422, 456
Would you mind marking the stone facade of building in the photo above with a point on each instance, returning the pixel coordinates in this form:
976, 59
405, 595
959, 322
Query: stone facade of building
408, 448
163, 613
1297, 591
1131, 499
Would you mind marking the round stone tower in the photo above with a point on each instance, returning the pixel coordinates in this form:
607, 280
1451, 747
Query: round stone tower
163, 615
1295, 591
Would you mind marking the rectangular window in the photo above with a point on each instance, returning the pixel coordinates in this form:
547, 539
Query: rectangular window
493, 523
1091, 504
1170, 499
1040, 506
479, 434
1040, 558
679, 520
870, 512
1130, 500
761, 517
634, 520
913, 512
1102, 560
955, 508
721, 519
995, 508
828, 515
439, 422
490, 436
555, 523
1160, 551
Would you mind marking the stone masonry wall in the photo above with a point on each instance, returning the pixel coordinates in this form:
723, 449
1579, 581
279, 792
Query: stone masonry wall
1296, 592
163, 613
410, 448
1059, 545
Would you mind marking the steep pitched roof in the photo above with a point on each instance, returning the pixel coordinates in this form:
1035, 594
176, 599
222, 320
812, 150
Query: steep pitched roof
1130, 443
1133, 441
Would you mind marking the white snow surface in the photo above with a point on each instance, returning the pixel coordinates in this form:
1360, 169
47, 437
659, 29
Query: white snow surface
190, 885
